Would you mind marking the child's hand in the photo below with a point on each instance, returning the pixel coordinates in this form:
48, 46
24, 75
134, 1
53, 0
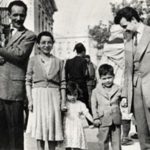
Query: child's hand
97, 123
63, 108
124, 102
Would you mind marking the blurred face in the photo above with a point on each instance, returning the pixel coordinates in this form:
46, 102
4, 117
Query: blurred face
73, 97
107, 80
129, 25
17, 16
45, 45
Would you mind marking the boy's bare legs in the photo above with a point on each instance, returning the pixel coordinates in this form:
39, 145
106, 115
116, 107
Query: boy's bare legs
115, 137
125, 133
125, 128
40, 145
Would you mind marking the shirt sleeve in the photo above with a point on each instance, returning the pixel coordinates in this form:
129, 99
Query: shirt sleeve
94, 106
62, 75
86, 112
20, 51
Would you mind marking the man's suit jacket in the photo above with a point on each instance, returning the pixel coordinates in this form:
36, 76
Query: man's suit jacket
106, 106
12, 72
139, 59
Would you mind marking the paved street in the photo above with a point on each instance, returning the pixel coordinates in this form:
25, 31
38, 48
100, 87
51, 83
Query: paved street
91, 138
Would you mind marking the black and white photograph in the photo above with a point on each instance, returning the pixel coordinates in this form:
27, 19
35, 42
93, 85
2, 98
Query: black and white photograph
74, 74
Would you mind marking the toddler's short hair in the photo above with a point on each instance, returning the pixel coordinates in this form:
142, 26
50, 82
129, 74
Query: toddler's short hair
72, 88
105, 69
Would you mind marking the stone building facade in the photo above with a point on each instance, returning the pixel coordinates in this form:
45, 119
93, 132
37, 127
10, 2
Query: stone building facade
39, 16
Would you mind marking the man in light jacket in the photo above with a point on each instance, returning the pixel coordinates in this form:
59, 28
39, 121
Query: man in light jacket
14, 58
137, 71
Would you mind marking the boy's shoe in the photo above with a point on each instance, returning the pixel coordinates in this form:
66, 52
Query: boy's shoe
126, 141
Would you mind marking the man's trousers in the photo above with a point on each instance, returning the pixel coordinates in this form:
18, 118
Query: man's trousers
11, 126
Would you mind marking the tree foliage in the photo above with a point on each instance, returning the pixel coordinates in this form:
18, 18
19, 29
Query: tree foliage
134, 3
101, 32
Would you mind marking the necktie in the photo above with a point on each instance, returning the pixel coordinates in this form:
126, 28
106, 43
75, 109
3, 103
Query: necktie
10, 33
135, 42
135, 39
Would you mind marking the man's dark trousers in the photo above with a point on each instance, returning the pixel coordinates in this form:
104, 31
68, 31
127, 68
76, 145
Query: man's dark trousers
12, 125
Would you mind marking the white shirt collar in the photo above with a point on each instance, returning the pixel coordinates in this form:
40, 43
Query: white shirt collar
140, 28
14, 30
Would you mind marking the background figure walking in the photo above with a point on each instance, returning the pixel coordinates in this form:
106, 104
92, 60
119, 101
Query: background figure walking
77, 71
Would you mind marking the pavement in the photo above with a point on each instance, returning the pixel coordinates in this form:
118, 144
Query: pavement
91, 134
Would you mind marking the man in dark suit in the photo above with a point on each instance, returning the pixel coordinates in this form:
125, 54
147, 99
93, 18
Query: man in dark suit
12, 77
77, 71
137, 71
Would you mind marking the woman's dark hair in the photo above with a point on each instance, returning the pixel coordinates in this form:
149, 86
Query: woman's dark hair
17, 3
79, 47
45, 33
105, 69
128, 13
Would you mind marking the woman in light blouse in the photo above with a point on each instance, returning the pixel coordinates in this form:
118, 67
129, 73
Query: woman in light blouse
45, 85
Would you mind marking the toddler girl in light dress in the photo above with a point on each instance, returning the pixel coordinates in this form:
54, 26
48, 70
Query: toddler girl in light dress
74, 135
